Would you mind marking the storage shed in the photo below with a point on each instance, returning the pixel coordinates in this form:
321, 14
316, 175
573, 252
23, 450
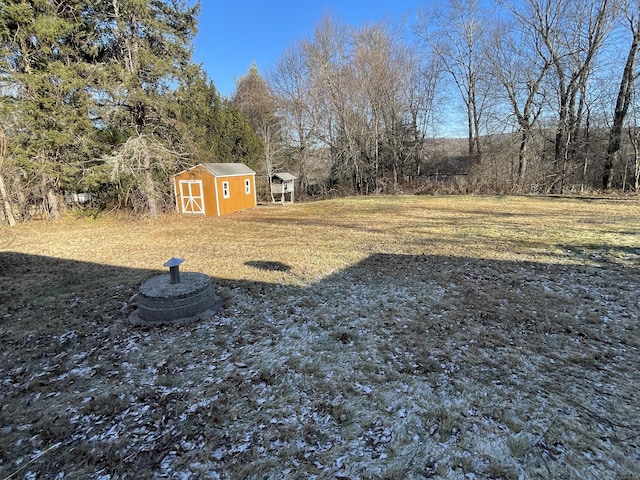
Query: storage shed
282, 183
215, 189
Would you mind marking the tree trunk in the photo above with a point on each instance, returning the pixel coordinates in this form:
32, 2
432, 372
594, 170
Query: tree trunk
53, 203
633, 137
636, 183
522, 159
470, 129
476, 127
6, 204
149, 186
8, 213
561, 130
584, 174
622, 107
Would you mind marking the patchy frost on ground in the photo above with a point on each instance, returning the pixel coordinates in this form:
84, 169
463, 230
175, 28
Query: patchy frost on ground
401, 366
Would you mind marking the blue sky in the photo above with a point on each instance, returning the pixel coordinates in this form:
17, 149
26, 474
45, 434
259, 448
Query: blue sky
233, 34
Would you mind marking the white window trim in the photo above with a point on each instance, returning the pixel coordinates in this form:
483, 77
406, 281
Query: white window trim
247, 186
226, 193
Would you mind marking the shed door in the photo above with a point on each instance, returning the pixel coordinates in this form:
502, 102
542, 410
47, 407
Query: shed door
192, 196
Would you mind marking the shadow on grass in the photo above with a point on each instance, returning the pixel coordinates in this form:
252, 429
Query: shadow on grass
40, 282
36, 281
479, 332
603, 251
268, 265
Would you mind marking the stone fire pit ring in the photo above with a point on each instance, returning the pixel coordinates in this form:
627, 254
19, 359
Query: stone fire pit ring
161, 302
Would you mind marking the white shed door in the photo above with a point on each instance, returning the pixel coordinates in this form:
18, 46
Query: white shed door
192, 196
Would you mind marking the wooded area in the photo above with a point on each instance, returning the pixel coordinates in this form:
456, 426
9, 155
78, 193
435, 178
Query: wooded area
100, 102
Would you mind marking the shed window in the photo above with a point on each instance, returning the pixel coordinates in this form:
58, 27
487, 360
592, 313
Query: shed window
247, 186
225, 190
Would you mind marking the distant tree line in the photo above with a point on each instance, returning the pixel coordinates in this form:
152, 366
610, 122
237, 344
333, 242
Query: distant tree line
101, 99
543, 90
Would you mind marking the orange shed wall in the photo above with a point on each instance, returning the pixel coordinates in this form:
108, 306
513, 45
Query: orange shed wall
238, 199
208, 187
210, 201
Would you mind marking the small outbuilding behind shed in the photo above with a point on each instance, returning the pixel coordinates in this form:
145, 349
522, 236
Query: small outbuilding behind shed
215, 189
282, 183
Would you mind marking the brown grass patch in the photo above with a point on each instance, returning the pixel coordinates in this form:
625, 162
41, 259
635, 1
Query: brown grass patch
387, 337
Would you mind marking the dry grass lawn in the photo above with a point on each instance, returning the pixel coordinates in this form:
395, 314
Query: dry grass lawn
386, 338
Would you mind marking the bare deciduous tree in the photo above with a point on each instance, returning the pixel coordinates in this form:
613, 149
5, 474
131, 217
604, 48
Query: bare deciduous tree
381, 62
521, 73
254, 99
365, 95
341, 101
456, 34
569, 33
298, 110
420, 97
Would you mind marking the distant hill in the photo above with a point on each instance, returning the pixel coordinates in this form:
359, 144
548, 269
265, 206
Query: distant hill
446, 156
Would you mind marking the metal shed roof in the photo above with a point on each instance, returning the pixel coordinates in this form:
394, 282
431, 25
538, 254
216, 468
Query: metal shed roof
284, 176
228, 169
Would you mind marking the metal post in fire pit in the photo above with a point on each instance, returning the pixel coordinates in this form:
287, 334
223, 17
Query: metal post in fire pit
177, 301
173, 264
